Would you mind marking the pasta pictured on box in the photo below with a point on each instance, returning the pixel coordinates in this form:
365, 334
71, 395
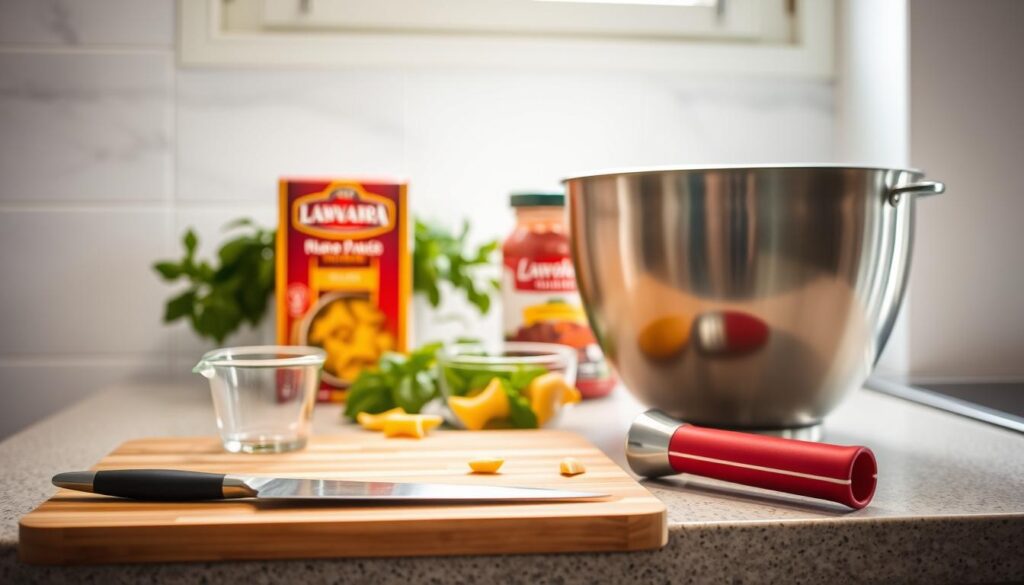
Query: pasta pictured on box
343, 273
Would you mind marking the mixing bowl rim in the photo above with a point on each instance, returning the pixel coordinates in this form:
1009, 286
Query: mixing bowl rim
541, 353
737, 167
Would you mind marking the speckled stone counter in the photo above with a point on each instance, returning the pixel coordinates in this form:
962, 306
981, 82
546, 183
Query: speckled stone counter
949, 506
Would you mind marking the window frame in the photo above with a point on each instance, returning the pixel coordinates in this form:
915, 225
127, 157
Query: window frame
204, 42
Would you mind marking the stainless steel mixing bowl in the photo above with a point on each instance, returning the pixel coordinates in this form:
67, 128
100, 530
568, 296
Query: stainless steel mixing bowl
745, 297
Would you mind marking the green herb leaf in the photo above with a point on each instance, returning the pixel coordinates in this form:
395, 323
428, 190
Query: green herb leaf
180, 306
522, 377
400, 380
414, 390
368, 393
265, 271
519, 412
392, 364
423, 357
191, 242
219, 299
404, 394
483, 254
441, 256
218, 315
433, 295
456, 383
203, 271
168, 270
230, 252
480, 380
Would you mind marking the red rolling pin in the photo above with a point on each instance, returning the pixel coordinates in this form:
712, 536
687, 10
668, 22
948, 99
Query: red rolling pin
658, 445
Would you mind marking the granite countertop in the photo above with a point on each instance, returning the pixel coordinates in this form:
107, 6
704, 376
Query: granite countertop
949, 505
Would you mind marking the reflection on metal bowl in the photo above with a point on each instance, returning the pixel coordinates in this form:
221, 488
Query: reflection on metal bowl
730, 333
791, 278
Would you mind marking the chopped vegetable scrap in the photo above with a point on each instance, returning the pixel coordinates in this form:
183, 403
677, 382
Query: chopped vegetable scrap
410, 425
476, 411
570, 466
486, 464
375, 422
548, 393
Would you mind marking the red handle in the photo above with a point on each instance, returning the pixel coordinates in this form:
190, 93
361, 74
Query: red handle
829, 472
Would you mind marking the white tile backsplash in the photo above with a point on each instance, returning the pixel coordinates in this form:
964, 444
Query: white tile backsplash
475, 136
742, 121
79, 127
34, 390
108, 152
79, 22
80, 282
238, 131
472, 137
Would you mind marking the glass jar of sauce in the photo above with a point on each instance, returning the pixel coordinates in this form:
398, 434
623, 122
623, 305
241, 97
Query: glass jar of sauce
539, 296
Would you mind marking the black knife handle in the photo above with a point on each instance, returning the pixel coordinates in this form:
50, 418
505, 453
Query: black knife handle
147, 484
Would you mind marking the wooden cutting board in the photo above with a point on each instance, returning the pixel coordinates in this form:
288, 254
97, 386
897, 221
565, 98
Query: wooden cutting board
77, 528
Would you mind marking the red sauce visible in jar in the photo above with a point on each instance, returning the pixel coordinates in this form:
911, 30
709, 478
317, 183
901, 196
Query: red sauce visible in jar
539, 293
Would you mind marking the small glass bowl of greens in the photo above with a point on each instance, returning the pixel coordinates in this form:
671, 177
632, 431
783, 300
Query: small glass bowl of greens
511, 385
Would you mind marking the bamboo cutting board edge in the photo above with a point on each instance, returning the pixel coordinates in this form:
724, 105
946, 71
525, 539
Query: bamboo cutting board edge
74, 528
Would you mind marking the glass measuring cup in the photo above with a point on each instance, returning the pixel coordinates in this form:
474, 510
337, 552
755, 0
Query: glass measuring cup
263, 395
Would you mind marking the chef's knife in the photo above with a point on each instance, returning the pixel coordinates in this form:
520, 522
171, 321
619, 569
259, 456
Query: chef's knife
175, 485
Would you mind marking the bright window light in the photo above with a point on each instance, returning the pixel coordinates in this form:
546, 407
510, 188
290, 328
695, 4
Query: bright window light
643, 2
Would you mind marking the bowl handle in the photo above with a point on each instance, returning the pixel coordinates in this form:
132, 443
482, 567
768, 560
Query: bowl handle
920, 189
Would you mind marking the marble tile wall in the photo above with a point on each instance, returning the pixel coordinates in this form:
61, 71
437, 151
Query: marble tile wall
109, 151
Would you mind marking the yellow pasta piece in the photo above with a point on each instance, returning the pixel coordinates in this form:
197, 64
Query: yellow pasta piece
385, 341
570, 466
573, 396
476, 411
548, 393
351, 331
322, 328
486, 464
375, 422
364, 312
351, 372
336, 317
410, 425
364, 343
339, 356
431, 421
343, 333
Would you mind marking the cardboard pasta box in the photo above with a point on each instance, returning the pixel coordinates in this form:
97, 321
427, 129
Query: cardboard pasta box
344, 281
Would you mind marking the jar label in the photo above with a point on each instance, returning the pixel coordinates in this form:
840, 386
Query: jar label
544, 274
541, 303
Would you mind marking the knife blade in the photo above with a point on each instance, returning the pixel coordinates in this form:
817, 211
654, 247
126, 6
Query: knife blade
177, 485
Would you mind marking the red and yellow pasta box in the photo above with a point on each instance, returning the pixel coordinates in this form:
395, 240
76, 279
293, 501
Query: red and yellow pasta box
343, 273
